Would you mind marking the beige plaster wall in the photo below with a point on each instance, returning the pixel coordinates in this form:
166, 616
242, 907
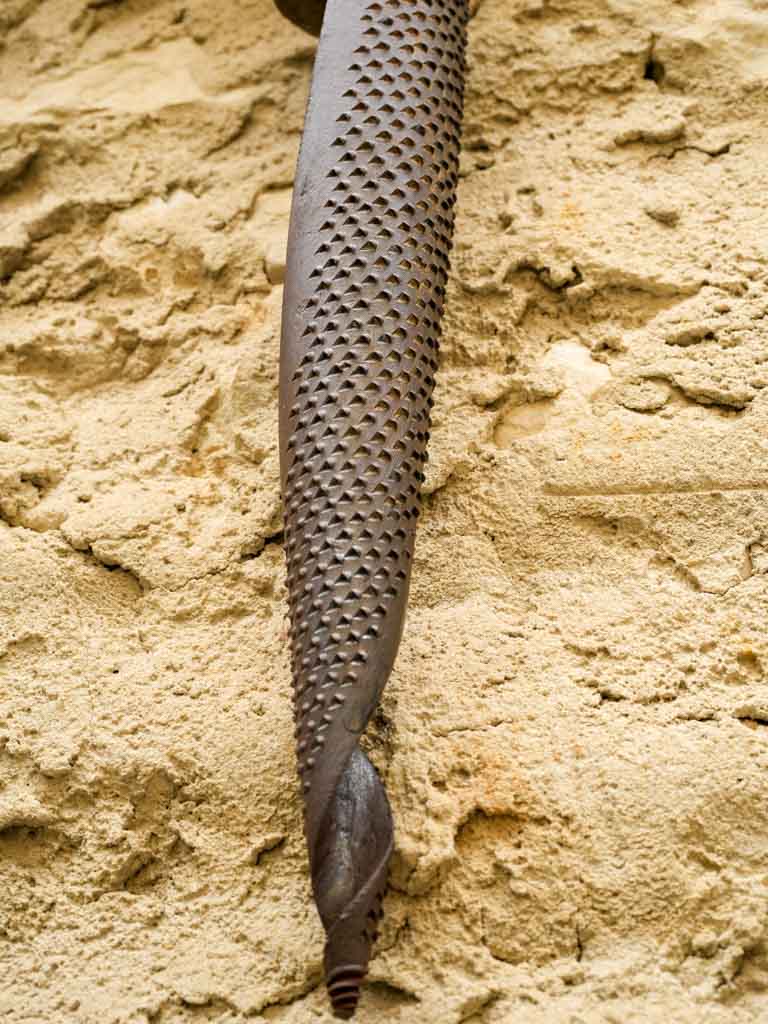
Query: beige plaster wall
575, 740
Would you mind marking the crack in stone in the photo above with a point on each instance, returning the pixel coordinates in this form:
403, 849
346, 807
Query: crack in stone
713, 153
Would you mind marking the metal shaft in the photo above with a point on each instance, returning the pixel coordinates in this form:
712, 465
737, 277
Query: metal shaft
368, 258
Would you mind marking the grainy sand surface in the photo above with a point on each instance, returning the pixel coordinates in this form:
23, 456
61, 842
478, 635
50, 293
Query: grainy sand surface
575, 739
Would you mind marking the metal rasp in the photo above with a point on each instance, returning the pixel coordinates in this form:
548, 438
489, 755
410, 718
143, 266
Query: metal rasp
368, 258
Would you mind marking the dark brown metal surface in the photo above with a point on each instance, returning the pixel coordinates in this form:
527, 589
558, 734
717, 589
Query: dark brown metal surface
368, 251
307, 14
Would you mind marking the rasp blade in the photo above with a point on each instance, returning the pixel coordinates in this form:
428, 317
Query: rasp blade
368, 259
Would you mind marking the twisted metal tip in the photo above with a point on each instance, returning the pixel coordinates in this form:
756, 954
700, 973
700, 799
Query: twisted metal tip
349, 860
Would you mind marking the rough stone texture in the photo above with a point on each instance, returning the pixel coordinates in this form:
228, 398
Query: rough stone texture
575, 739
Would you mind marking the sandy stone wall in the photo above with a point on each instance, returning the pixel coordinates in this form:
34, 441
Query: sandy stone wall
575, 740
